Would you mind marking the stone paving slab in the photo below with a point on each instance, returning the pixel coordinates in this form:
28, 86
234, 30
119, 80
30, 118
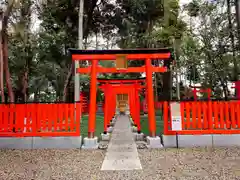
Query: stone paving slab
124, 147
122, 151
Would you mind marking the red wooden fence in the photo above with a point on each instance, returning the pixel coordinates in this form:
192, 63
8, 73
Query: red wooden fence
39, 120
198, 117
210, 117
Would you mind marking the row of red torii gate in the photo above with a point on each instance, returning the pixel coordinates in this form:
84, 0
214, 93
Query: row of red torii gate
131, 88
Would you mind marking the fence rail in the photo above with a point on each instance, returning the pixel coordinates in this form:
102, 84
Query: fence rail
205, 117
40, 119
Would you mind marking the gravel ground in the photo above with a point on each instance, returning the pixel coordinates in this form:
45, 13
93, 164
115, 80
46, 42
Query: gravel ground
199, 163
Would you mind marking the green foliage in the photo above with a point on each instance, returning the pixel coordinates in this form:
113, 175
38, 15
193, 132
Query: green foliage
193, 74
205, 53
193, 8
138, 23
208, 50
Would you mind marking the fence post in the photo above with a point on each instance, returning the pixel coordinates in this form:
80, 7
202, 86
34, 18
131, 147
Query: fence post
34, 119
210, 116
165, 118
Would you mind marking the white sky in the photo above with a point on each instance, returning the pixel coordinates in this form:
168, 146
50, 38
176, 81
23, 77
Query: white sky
184, 2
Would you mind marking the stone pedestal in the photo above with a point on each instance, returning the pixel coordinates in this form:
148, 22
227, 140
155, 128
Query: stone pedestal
90, 143
110, 129
134, 129
138, 136
154, 142
105, 137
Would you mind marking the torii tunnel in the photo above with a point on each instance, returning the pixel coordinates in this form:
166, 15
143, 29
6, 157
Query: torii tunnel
129, 87
138, 54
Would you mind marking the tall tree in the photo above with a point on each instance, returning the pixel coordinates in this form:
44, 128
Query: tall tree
237, 9
231, 35
4, 35
60, 31
22, 36
1, 60
215, 45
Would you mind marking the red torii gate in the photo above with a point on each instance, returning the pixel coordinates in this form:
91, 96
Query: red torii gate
237, 87
113, 87
197, 89
142, 54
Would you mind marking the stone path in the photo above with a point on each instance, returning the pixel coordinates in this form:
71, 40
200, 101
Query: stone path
122, 151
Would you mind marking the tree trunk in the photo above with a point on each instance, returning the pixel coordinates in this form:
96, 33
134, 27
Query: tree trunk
219, 75
225, 89
232, 41
36, 96
96, 38
167, 86
4, 34
1, 73
237, 8
1, 63
25, 85
26, 14
6, 68
67, 82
